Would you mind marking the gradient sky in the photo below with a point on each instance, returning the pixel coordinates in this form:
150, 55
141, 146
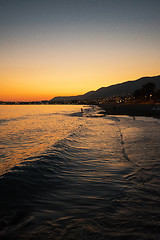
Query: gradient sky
68, 47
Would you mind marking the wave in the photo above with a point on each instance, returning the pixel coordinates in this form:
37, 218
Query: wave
61, 177
6, 120
84, 186
32, 183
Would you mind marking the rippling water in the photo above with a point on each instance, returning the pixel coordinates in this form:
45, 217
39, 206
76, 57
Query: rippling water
68, 175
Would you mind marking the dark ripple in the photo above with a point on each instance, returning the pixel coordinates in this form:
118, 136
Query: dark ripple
62, 179
75, 192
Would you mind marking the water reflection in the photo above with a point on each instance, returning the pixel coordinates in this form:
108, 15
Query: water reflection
30, 130
80, 177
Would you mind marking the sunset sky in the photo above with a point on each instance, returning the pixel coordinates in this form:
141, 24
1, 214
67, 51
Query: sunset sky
52, 48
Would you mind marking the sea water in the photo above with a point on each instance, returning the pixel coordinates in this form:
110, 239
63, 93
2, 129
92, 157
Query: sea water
67, 174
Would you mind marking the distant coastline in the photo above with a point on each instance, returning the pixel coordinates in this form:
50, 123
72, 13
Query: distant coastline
133, 109
139, 97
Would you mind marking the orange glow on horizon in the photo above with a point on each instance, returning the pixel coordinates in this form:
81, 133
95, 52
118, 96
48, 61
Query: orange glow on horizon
40, 73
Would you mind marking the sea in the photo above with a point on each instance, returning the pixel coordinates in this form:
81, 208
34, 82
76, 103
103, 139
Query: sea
72, 172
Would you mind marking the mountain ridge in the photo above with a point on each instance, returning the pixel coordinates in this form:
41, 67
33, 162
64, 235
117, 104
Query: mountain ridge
119, 89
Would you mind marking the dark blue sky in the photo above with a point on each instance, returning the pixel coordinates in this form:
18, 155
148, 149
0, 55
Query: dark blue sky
21, 14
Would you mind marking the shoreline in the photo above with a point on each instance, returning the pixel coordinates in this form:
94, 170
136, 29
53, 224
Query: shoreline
132, 109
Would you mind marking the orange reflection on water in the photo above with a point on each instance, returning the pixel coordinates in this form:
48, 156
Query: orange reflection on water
29, 131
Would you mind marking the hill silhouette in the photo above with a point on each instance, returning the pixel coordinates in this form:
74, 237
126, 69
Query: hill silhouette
120, 89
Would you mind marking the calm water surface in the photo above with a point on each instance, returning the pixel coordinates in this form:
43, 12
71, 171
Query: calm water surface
68, 175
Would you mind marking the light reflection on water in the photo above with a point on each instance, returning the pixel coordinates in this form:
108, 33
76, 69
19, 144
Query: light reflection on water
70, 176
30, 130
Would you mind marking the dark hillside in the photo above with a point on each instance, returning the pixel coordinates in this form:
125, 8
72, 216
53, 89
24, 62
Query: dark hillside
115, 90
